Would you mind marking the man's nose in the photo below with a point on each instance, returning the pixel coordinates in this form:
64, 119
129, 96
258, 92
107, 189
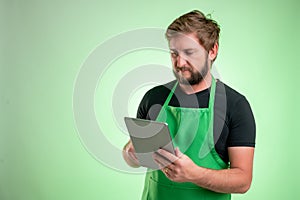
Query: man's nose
181, 61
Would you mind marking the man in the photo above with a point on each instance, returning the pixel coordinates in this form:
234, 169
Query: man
211, 124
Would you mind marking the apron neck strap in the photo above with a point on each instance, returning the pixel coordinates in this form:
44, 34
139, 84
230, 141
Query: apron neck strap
212, 93
211, 96
170, 95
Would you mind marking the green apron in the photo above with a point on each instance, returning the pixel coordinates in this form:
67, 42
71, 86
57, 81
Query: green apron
192, 131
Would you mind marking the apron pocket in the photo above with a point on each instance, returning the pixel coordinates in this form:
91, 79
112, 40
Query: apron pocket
161, 191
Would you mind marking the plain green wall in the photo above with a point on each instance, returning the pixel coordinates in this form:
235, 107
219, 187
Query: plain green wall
43, 45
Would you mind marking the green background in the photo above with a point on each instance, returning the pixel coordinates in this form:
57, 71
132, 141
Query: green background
43, 45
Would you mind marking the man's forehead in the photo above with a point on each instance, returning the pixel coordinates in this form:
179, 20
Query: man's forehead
184, 41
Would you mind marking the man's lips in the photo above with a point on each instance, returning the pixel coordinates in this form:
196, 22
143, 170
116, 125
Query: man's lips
183, 69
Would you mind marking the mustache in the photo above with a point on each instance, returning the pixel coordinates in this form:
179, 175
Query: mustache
178, 69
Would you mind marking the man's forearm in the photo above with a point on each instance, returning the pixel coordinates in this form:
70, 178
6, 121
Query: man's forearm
223, 181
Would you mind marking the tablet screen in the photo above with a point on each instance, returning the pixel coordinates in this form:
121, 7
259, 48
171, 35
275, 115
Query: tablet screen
147, 137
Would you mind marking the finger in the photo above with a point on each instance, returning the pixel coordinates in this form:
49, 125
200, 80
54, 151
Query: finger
167, 155
167, 171
133, 156
130, 150
161, 166
178, 153
162, 161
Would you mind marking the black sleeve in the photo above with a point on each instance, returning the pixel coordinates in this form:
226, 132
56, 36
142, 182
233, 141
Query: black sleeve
242, 125
150, 105
152, 102
142, 111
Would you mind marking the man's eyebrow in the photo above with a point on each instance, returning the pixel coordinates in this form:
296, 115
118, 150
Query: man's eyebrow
188, 49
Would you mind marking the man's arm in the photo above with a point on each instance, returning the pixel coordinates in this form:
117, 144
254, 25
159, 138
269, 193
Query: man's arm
236, 179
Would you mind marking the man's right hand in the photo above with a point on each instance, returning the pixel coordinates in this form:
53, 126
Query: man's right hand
129, 155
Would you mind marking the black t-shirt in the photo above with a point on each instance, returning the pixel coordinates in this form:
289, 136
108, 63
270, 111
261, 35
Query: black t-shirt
234, 123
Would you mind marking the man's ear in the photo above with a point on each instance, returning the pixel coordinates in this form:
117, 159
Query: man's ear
212, 54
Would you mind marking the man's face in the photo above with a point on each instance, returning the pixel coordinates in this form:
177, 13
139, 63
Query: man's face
189, 59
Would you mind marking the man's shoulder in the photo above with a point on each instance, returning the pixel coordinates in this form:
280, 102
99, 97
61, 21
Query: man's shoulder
157, 94
161, 89
235, 101
231, 94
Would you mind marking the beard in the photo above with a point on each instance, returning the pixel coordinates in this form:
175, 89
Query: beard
196, 76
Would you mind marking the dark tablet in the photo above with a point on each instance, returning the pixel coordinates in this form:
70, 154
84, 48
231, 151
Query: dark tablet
147, 137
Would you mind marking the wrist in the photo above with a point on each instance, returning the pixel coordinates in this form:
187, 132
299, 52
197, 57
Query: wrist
197, 173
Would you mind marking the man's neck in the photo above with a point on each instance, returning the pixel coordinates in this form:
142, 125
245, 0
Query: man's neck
204, 84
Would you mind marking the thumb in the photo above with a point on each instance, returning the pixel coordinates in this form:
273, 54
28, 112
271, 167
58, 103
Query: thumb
178, 153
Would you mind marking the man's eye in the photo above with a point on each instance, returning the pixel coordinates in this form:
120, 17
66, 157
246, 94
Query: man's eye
188, 53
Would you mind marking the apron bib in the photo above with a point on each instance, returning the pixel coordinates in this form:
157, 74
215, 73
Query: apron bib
191, 130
